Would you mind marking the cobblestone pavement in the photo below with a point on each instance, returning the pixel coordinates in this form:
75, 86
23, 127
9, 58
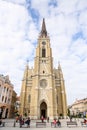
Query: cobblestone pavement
10, 125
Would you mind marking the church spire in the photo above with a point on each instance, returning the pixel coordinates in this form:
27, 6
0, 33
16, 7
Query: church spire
27, 67
43, 31
60, 70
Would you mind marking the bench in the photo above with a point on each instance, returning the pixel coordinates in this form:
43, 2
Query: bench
40, 124
71, 123
83, 123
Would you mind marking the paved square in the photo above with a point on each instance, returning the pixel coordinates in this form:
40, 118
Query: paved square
10, 125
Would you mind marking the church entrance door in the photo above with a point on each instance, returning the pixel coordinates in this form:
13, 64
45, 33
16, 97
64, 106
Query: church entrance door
43, 110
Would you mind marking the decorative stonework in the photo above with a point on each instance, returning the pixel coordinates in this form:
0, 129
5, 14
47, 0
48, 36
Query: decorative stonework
43, 83
43, 95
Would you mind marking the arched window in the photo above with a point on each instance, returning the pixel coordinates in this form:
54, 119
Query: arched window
2, 98
29, 98
5, 99
43, 52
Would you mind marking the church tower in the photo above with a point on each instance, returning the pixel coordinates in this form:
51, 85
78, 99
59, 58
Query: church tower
43, 90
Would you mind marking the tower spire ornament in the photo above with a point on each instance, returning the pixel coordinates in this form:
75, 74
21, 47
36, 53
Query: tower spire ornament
43, 31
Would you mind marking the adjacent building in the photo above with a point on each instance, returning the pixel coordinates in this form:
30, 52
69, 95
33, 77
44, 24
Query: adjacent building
79, 108
43, 87
6, 96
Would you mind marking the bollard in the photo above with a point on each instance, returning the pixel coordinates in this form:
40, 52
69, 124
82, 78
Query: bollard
14, 124
3, 124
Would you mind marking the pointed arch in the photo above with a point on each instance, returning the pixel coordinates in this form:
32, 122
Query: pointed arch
43, 109
43, 52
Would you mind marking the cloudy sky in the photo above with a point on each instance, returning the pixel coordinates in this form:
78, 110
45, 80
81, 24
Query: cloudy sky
66, 23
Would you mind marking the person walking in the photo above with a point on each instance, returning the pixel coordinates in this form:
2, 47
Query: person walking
42, 119
58, 123
28, 122
48, 119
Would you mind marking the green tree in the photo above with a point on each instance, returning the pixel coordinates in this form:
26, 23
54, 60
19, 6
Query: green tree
68, 113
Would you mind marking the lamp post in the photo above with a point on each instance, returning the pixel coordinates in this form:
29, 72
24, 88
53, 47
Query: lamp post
0, 113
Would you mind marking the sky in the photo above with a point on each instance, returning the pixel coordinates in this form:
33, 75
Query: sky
66, 24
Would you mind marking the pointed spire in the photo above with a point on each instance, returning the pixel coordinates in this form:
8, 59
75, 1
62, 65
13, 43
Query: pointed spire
27, 67
60, 70
27, 62
26, 71
43, 31
59, 66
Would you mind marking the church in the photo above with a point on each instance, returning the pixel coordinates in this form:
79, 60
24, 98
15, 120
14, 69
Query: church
43, 88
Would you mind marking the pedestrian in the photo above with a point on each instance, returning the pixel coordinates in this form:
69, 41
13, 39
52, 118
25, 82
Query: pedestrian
28, 122
42, 119
48, 119
58, 123
20, 120
54, 122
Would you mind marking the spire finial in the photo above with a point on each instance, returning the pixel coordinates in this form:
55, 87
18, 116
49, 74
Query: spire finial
27, 61
59, 66
43, 31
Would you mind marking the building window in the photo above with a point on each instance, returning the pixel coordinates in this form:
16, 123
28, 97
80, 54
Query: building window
5, 99
43, 61
43, 52
7, 89
43, 71
9, 100
2, 98
43, 83
29, 98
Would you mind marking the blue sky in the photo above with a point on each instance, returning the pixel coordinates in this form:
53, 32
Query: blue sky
66, 23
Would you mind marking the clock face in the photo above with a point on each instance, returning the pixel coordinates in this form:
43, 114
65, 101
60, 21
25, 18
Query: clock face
43, 83
44, 43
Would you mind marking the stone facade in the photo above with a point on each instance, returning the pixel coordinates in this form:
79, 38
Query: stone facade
43, 87
79, 107
6, 94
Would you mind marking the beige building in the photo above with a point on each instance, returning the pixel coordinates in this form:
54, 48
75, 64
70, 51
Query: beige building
6, 92
43, 88
79, 107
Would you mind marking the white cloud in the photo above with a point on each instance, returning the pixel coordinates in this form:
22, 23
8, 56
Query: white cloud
66, 23
41, 6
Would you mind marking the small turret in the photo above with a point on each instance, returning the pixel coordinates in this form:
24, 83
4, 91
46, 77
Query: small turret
60, 70
26, 71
